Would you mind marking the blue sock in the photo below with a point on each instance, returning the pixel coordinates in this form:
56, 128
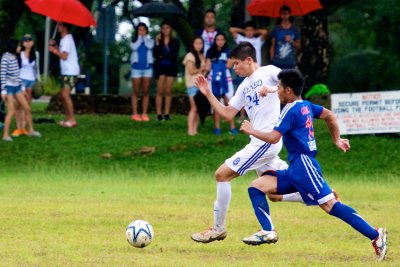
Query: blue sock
350, 216
261, 208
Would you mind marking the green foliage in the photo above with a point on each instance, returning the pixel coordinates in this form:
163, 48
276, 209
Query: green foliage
364, 38
51, 86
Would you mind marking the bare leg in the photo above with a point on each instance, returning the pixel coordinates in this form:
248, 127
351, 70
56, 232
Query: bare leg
27, 110
10, 102
145, 94
68, 105
160, 91
192, 117
168, 94
135, 94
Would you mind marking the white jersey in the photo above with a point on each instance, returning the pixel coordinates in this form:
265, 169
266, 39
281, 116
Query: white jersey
263, 112
70, 66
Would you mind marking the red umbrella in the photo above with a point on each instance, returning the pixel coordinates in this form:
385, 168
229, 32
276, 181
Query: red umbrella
69, 11
270, 8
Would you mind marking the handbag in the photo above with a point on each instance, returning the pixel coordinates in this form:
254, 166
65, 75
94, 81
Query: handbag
37, 89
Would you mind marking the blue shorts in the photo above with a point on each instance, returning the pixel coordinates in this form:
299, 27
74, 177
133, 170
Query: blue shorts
192, 91
13, 90
304, 175
136, 73
27, 83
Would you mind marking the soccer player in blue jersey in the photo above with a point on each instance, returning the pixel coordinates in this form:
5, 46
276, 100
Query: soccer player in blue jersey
304, 174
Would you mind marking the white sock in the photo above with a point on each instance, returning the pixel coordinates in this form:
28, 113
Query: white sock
221, 205
293, 197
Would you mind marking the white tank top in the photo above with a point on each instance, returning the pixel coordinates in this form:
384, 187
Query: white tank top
27, 69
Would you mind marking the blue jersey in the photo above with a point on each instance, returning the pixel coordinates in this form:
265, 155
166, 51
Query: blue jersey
296, 126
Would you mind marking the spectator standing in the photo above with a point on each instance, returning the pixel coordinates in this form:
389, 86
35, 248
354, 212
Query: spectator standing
195, 64
220, 77
142, 70
250, 34
166, 53
209, 30
285, 40
28, 58
11, 89
69, 70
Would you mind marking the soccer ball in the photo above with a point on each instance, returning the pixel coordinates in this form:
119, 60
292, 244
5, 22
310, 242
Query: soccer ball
139, 233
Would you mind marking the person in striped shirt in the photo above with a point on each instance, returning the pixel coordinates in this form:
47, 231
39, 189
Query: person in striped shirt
295, 127
11, 89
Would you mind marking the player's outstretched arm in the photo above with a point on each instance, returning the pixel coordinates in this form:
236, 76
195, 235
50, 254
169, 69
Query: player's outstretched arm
333, 126
227, 112
270, 137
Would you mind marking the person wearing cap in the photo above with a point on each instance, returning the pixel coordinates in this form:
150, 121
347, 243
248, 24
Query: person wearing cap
70, 70
28, 59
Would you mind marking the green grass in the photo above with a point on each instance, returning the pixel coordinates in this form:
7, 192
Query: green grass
62, 204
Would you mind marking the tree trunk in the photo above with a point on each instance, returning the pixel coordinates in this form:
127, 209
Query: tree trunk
238, 15
315, 52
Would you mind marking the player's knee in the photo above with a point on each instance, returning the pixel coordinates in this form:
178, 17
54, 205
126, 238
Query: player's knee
274, 198
220, 177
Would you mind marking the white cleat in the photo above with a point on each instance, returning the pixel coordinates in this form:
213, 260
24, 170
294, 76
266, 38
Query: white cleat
379, 244
209, 235
261, 237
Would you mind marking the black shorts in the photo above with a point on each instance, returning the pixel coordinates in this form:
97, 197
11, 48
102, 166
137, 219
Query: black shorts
171, 71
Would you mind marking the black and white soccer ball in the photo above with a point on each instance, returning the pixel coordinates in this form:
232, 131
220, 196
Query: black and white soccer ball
139, 233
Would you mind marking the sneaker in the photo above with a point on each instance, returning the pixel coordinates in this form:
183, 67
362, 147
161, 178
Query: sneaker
379, 244
136, 117
8, 139
35, 134
336, 194
209, 235
23, 132
145, 117
167, 117
16, 133
217, 131
234, 131
160, 117
68, 124
261, 237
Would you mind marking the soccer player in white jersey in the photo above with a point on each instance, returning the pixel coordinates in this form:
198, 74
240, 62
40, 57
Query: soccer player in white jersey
295, 126
262, 112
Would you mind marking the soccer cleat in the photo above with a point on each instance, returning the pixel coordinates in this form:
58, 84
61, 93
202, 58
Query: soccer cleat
379, 244
261, 237
209, 235
336, 194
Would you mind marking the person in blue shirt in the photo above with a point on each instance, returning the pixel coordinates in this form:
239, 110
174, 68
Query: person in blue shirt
285, 41
142, 70
295, 126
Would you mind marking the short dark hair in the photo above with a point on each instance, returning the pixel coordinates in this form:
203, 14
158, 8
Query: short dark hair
210, 11
285, 8
11, 46
244, 50
292, 78
66, 25
249, 23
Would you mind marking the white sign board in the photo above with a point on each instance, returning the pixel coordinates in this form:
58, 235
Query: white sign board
365, 113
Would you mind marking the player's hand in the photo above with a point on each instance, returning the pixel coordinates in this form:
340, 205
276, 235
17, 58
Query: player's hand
266, 90
246, 127
343, 144
203, 85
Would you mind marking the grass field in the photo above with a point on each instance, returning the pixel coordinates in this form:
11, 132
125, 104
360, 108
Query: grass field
62, 204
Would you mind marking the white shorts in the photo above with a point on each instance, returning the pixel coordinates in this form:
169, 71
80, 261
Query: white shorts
257, 156
147, 73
